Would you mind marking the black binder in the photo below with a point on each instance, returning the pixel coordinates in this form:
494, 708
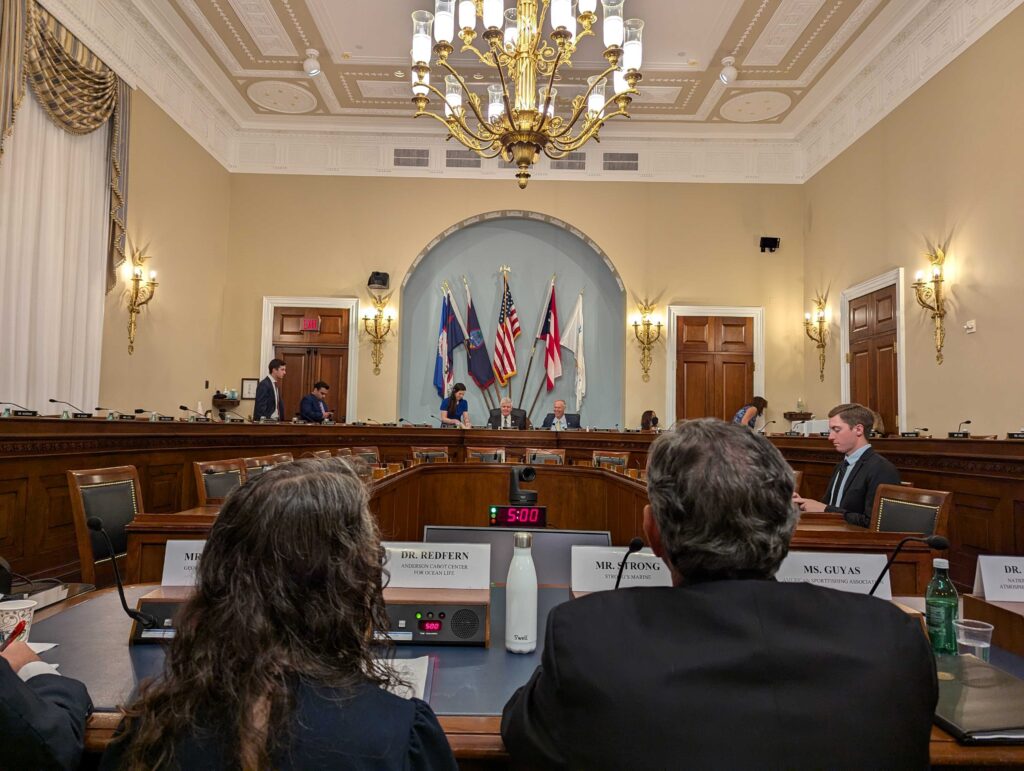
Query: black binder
978, 703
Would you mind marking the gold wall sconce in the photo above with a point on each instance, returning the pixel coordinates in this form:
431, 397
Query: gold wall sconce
929, 296
647, 334
816, 327
139, 292
378, 327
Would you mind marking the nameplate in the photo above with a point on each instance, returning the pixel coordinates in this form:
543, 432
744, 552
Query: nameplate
413, 565
80, 415
823, 433
331, 423
792, 433
959, 435
25, 413
230, 419
594, 569
126, 417
1015, 435
165, 418
835, 570
910, 434
1000, 579
181, 561
196, 419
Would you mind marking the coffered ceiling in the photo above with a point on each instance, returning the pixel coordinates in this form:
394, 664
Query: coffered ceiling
814, 75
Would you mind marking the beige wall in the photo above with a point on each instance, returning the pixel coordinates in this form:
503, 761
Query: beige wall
686, 244
949, 161
178, 204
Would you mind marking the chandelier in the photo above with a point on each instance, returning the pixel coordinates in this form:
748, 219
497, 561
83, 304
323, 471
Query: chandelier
519, 120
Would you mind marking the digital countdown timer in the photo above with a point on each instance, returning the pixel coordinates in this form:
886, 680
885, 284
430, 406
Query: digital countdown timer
518, 516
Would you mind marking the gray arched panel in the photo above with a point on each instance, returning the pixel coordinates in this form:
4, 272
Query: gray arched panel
534, 248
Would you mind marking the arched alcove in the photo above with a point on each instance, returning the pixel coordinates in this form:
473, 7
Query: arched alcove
534, 246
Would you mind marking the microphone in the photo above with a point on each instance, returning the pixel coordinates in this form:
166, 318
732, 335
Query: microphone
762, 429
962, 424
189, 409
634, 546
153, 413
920, 428
403, 420
436, 418
937, 542
232, 412
17, 405
96, 525
69, 404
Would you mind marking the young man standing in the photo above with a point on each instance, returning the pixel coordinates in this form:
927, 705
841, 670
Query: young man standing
269, 404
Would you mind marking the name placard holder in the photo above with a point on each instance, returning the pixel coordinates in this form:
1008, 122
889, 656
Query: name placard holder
125, 417
910, 434
594, 569
181, 561
959, 435
414, 565
1015, 435
836, 570
1000, 579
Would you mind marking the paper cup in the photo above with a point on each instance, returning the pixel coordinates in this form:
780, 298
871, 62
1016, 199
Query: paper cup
13, 611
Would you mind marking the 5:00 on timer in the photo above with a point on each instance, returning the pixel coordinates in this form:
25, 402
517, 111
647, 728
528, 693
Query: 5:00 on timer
518, 516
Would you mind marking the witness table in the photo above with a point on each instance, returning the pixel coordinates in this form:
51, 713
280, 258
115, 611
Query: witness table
470, 685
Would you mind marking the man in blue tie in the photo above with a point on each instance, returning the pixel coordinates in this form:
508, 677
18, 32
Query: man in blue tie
314, 405
851, 490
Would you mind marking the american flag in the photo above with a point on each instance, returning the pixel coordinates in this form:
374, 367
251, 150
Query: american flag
505, 340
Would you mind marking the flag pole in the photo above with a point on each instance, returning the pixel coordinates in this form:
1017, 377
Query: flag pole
540, 387
533, 350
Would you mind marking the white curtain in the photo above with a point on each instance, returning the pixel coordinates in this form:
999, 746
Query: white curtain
54, 221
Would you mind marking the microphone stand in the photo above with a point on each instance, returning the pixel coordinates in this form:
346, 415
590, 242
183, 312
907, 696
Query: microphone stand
936, 542
96, 525
634, 546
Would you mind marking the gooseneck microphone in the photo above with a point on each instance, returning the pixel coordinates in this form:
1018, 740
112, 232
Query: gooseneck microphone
69, 404
141, 411
763, 428
189, 409
937, 542
12, 404
96, 525
232, 412
634, 546
962, 424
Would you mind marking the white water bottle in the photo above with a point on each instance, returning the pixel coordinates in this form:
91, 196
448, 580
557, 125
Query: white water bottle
521, 598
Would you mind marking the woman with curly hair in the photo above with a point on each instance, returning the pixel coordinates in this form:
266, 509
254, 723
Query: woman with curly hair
273, 664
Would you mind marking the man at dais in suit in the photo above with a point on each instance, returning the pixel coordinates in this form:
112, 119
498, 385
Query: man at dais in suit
268, 394
506, 416
851, 490
727, 668
313, 408
559, 420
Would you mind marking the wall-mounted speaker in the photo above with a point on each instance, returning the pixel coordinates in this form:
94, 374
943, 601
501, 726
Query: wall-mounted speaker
770, 243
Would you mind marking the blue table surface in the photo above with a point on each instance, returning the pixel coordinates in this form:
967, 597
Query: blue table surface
93, 647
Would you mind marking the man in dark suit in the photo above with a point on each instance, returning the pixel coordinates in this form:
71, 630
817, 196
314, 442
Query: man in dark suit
506, 416
851, 490
313, 408
269, 403
42, 715
559, 420
728, 668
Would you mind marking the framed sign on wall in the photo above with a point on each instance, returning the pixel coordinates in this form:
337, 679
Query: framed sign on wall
249, 387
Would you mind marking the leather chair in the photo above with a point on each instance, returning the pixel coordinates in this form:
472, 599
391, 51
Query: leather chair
485, 454
318, 454
537, 456
215, 479
257, 465
114, 495
608, 457
430, 454
367, 454
900, 509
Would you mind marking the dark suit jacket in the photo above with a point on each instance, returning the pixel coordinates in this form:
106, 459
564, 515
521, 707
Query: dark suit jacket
726, 674
367, 729
264, 406
309, 409
870, 471
42, 720
572, 420
518, 419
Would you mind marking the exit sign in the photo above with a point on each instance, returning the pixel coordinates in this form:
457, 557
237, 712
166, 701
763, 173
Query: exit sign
311, 325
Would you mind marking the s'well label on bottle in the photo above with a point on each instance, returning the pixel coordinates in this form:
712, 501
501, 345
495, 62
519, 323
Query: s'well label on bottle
414, 565
594, 569
847, 572
1000, 579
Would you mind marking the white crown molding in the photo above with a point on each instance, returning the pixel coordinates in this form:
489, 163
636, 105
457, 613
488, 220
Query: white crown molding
149, 46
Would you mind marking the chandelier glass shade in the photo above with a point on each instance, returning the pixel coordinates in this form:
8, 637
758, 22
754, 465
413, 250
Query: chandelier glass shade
517, 119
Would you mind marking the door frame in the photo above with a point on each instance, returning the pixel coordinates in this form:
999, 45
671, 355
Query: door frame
889, 278
271, 303
675, 311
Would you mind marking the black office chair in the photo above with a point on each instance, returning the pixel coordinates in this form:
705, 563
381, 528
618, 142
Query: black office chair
115, 496
215, 479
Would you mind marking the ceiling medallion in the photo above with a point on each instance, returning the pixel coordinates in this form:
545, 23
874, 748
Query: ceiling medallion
521, 120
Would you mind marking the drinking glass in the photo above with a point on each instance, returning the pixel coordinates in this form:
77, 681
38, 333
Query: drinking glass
973, 637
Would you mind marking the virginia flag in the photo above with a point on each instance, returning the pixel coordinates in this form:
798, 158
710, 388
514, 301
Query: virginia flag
476, 349
450, 336
573, 341
552, 342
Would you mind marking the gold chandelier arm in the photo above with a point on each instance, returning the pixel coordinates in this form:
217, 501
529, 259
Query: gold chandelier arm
575, 143
583, 106
547, 100
473, 102
484, 58
508, 102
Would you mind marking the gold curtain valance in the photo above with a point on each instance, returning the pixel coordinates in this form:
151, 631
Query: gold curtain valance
76, 90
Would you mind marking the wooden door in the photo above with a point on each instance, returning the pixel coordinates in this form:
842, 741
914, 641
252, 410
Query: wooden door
714, 365
331, 366
311, 326
297, 381
874, 379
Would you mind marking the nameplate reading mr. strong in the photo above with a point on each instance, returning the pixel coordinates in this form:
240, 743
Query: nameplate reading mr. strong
438, 565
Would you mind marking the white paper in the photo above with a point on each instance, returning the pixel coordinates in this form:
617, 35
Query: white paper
42, 647
594, 568
414, 565
1000, 579
181, 561
413, 673
836, 570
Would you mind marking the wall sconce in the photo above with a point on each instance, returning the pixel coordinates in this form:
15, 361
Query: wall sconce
378, 327
647, 334
929, 297
139, 292
816, 327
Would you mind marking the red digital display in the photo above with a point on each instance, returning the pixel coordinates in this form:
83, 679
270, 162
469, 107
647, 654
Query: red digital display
430, 626
519, 516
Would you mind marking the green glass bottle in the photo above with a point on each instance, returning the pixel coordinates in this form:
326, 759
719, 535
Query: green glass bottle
941, 604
